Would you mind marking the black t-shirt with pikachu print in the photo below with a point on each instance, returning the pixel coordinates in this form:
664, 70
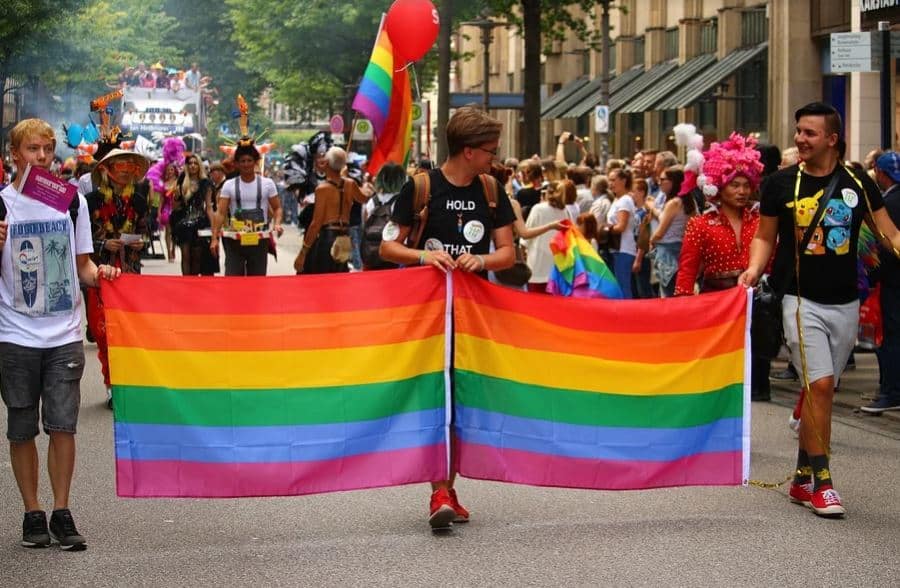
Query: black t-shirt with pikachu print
828, 265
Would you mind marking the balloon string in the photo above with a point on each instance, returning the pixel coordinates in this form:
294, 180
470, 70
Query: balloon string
415, 79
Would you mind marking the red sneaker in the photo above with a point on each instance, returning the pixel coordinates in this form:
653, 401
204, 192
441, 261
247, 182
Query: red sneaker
462, 515
826, 502
801, 493
442, 512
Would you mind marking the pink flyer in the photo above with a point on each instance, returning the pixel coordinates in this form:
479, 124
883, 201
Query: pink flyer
43, 186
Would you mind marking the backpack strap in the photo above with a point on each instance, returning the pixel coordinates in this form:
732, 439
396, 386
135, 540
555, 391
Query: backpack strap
421, 200
489, 185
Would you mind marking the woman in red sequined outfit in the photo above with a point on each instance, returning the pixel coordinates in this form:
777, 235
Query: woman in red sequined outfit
717, 243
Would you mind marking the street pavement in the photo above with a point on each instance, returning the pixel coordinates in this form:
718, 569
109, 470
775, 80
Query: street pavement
519, 535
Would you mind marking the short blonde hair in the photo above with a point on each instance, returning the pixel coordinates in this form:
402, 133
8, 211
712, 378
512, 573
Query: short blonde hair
31, 127
470, 126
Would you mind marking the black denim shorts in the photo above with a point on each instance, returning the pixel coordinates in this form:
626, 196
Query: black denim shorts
45, 379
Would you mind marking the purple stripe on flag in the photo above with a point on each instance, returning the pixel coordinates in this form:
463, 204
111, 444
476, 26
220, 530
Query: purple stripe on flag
372, 111
525, 467
227, 480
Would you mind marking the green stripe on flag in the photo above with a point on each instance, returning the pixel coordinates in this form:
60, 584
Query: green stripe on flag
290, 406
595, 408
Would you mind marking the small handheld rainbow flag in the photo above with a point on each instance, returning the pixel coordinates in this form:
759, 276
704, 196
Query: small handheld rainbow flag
385, 98
578, 270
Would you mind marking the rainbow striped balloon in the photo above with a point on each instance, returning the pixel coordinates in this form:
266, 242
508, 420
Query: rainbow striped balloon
608, 395
277, 386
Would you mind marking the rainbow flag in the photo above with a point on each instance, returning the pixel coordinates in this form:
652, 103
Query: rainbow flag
385, 98
609, 395
578, 269
278, 386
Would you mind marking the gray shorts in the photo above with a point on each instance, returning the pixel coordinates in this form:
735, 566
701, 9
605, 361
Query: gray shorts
829, 335
45, 378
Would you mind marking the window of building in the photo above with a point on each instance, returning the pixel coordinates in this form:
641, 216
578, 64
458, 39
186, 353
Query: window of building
639, 49
754, 26
709, 36
510, 82
671, 43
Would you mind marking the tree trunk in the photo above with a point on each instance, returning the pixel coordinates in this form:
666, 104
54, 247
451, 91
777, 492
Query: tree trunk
531, 24
443, 105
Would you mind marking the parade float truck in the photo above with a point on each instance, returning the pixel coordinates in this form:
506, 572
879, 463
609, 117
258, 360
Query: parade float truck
161, 112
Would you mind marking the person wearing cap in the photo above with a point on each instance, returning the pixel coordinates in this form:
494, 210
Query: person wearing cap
887, 175
44, 253
823, 204
119, 207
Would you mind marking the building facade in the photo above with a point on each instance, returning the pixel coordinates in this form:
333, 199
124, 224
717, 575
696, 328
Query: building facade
722, 65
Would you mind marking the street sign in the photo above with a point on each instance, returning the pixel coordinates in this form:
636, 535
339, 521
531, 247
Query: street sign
855, 52
336, 124
601, 119
418, 114
362, 131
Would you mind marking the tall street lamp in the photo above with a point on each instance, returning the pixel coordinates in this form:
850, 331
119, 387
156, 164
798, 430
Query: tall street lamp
486, 26
604, 75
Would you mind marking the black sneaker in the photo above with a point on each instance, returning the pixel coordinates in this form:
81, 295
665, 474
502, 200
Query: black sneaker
62, 528
34, 529
786, 375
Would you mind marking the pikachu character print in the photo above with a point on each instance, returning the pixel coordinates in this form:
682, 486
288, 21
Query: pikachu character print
833, 233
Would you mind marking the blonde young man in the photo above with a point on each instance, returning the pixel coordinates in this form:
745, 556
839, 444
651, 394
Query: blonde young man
457, 235
41, 355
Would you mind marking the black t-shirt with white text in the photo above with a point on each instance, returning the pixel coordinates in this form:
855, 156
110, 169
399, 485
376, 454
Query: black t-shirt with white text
828, 272
459, 220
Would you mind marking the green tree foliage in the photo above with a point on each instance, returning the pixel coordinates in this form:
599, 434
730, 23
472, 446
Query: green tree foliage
312, 52
204, 33
92, 47
26, 27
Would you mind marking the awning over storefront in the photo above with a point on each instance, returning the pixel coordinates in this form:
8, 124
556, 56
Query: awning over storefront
706, 81
672, 82
563, 93
592, 89
644, 83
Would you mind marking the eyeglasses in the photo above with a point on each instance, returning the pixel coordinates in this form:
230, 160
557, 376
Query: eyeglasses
492, 152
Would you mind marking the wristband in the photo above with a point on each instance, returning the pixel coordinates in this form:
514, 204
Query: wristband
305, 248
422, 258
481, 259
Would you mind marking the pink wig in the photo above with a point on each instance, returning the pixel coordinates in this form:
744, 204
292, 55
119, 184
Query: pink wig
173, 152
727, 160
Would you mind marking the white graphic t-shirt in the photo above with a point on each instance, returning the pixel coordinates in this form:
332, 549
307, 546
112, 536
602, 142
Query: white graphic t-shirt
40, 297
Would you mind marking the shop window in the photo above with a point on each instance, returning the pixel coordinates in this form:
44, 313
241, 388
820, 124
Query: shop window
752, 104
669, 118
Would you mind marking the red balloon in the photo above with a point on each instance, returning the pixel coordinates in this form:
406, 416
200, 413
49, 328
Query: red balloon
412, 26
